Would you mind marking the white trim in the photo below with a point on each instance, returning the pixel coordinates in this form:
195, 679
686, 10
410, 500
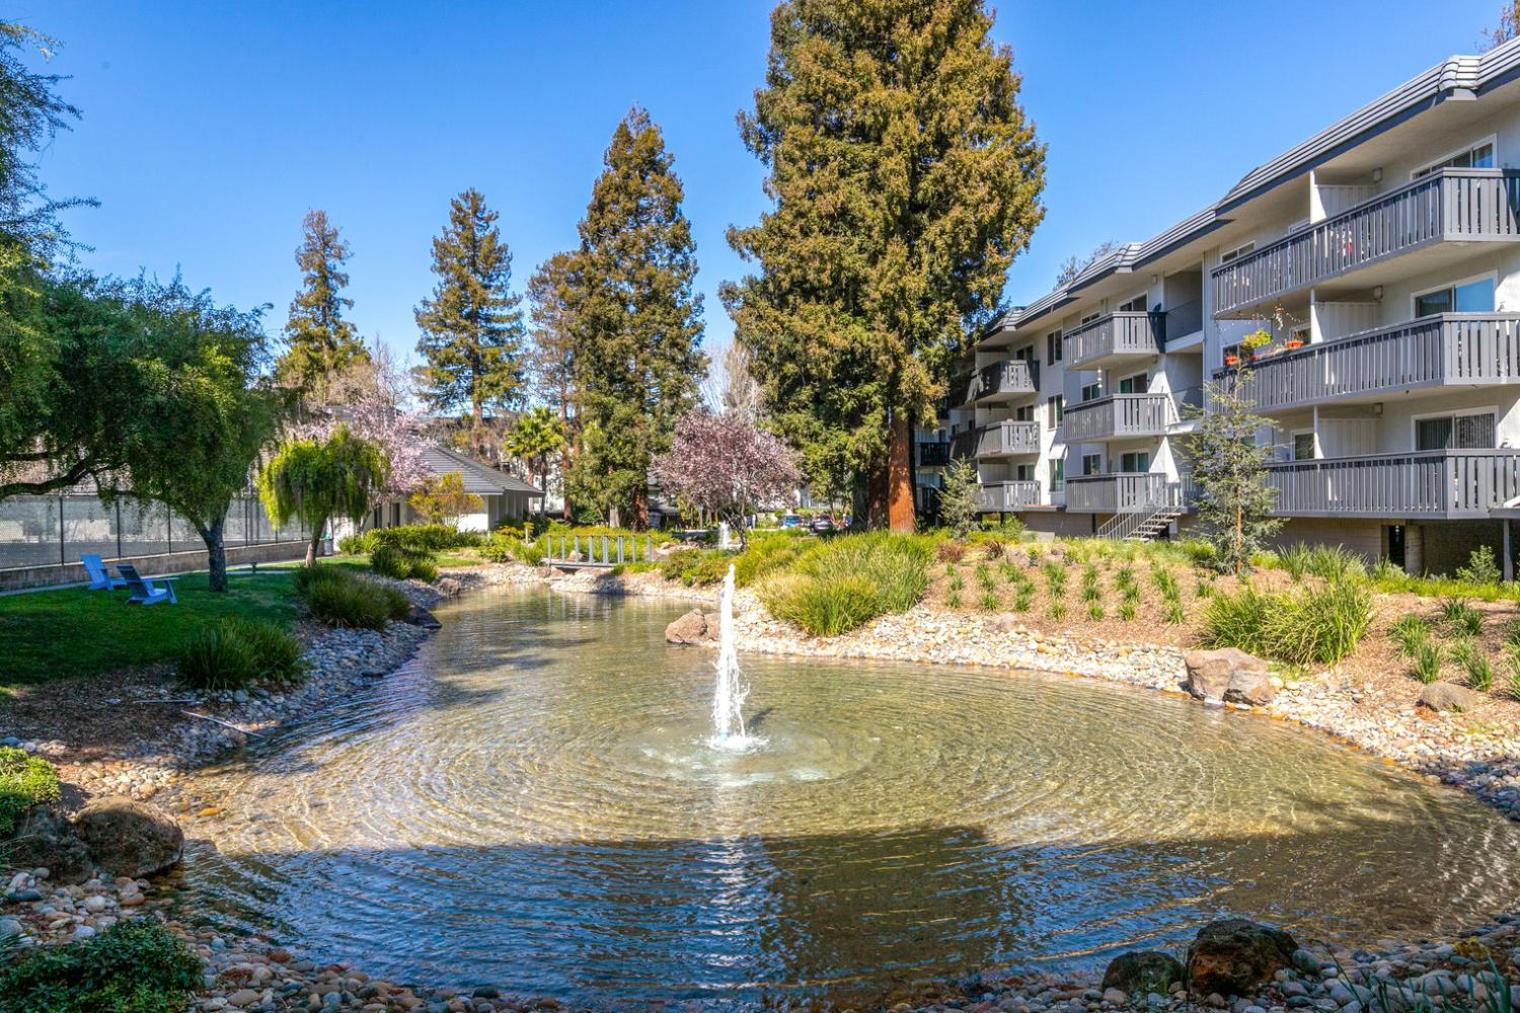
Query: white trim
1492, 140
1293, 435
1453, 414
1414, 297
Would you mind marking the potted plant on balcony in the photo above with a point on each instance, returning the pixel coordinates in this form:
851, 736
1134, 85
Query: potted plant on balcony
1252, 343
1231, 359
1293, 342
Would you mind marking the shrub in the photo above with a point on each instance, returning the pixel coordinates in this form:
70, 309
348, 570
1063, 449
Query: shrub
1480, 568
1427, 662
1480, 671
949, 552
1334, 562
237, 652
1057, 610
428, 538
504, 545
1461, 617
894, 567
1095, 610
993, 549
340, 598
1127, 610
1410, 633
390, 561
984, 577
953, 598
1023, 598
135, 966
1175, 614
357, 545
1295, 560
1314, 626
1512, 659
823, 608
767, 553
424, 569
989, 600
25, 781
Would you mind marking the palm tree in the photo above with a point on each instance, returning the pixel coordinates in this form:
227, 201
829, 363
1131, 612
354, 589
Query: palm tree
538, 436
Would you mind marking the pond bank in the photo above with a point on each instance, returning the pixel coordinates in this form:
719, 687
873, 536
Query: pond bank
255, 973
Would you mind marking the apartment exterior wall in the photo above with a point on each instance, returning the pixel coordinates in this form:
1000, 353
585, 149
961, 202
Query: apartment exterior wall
1339, 235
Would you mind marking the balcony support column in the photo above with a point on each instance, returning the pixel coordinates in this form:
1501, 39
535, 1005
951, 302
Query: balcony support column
1509, 559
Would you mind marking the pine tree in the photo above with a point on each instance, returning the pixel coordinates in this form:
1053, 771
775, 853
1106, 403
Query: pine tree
905, 179
552, 360
636, 323
472, 327
1229, 468
320, 343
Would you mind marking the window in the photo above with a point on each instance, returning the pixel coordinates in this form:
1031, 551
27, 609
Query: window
1023, 473
1303, 446
1057, 410
1058, 473
1479, 156
1135, 461
1455, 432
1091, 317
1134, 384
1092, 391
1092, 464
1052, 348
1475, 296
1025, 354
1025, 413
1239, 251
1135, 305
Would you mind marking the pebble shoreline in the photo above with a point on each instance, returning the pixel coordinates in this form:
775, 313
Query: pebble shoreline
254, 973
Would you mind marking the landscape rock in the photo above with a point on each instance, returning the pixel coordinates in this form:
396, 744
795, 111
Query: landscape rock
691, 628
1232, 956
1228, 675
1142, 971
128, 838
1448, 696
43, 841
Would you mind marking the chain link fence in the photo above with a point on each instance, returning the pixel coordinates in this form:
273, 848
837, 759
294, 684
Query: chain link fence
44, 530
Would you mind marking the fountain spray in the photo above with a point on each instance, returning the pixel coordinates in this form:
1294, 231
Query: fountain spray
728, 699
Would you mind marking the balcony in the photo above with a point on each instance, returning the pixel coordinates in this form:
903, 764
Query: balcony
1125, 493
1001, 439
1123, 416
1012, 380
1448, 350
933, 453
1113, 340
1453, 205
1004, 497
1435, 484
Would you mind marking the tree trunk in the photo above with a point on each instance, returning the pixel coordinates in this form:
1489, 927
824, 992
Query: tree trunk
876, 497
900, 475
216, 554
638, 519
315, 543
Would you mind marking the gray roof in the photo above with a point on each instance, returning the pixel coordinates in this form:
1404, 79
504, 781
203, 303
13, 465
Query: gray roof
478, 478
1456, 76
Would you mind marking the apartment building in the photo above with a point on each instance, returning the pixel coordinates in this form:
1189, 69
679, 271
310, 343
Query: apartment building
1381, 258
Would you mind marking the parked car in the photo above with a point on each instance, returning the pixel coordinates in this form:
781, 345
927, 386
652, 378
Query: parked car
791, 521
822, 525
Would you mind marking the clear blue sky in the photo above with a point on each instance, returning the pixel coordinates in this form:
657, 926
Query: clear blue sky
208, 129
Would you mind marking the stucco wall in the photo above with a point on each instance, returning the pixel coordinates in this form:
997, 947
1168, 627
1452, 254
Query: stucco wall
148, 566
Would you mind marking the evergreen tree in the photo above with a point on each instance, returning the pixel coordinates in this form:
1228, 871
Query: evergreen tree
905, 178
320, 343
960, 501
1229, 467
552, 359
472, 327
635, 321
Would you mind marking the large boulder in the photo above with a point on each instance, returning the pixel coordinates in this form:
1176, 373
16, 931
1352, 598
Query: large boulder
1139, 972
128, 838
694, 627
1448, 696
1228, 675
43, 841
1233, 956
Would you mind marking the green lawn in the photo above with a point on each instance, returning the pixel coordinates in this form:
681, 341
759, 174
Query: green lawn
72, 632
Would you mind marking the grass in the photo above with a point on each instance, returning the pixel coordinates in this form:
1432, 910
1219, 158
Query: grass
1427, 662
25, 781
134, 966
238, 652
72, 632
838, 585
1312, 626
1410, 633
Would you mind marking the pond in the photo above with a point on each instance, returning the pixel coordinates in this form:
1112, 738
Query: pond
532, 803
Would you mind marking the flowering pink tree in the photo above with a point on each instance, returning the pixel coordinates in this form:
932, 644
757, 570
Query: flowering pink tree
367, 398
726, 465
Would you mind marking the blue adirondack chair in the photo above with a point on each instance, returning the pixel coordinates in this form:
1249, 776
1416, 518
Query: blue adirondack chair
100, 578
147, 590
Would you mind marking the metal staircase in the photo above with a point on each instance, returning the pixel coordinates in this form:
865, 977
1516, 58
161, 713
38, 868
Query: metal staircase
1146, 523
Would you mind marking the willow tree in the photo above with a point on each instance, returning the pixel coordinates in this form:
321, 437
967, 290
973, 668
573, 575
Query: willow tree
320, 342
318, 480
472, 327
635, 323
904, 178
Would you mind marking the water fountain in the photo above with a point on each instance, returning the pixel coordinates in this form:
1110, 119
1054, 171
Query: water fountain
728, 697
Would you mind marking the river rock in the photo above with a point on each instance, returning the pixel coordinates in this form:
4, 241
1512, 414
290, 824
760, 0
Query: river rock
1228, 675
43, 841
1142, 971
1232, 956
692, 628
1448, 696
128, 838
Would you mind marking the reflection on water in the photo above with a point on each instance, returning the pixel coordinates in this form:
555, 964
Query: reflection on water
532, 803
